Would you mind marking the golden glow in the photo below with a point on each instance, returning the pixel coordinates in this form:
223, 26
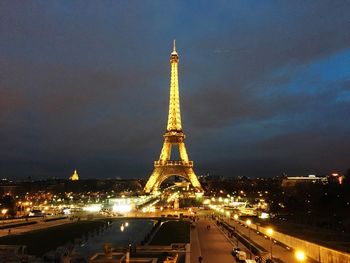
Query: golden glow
164, 168
174, 117
3, 211
75, 176
235, 217
270, 231
248, 222
300, 255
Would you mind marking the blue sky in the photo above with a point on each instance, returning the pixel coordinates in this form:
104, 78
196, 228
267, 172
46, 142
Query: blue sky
265, 86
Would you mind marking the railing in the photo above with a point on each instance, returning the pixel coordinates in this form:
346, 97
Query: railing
173, 163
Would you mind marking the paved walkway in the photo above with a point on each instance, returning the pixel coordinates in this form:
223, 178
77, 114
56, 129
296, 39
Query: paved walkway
211, 244
40, 225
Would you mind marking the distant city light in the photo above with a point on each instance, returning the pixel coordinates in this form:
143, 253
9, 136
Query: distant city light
121, 208
66, 211
93, 208
264, 215
340, 179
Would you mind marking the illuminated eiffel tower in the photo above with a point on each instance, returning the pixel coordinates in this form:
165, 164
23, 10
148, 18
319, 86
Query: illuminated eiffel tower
164, 167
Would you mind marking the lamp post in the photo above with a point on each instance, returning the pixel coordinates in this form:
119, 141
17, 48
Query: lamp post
248, 223
270, 233
300, 256
235, 217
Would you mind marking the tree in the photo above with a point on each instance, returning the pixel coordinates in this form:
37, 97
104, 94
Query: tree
9, 203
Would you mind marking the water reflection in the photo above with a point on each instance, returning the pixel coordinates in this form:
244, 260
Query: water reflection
134, 231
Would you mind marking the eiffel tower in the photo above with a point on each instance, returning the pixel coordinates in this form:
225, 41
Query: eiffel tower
164, 167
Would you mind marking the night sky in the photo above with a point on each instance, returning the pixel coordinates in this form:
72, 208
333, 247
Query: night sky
264, 86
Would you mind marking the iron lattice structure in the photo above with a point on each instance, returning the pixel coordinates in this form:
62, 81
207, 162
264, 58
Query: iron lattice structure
174, 136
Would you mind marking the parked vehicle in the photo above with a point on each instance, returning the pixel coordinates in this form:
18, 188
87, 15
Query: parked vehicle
235, 250
36, 213
241, 256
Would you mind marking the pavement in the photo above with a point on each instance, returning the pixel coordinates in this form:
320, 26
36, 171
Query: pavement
211, 244
39, 225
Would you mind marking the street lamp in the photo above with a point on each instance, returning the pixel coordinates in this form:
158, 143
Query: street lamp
300, 256
248, 223
270, 233
235, 217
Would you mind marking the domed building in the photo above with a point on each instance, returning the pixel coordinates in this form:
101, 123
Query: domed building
75, 176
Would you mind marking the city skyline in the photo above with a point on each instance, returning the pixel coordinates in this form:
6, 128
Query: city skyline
265, 88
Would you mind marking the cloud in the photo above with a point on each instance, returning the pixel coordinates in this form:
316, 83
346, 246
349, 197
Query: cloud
86, 84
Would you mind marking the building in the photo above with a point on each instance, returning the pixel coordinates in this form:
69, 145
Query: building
75, 176
293, 180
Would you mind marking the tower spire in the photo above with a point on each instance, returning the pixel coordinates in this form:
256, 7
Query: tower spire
174, 117
174, 46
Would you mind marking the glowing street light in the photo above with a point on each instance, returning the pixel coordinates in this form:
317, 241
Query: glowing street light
270, 233
122, 228
300, 255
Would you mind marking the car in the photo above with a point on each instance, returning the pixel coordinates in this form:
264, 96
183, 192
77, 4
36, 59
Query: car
235, 251
241, 256
36, 213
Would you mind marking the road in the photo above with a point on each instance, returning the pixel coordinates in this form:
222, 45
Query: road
277, 251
